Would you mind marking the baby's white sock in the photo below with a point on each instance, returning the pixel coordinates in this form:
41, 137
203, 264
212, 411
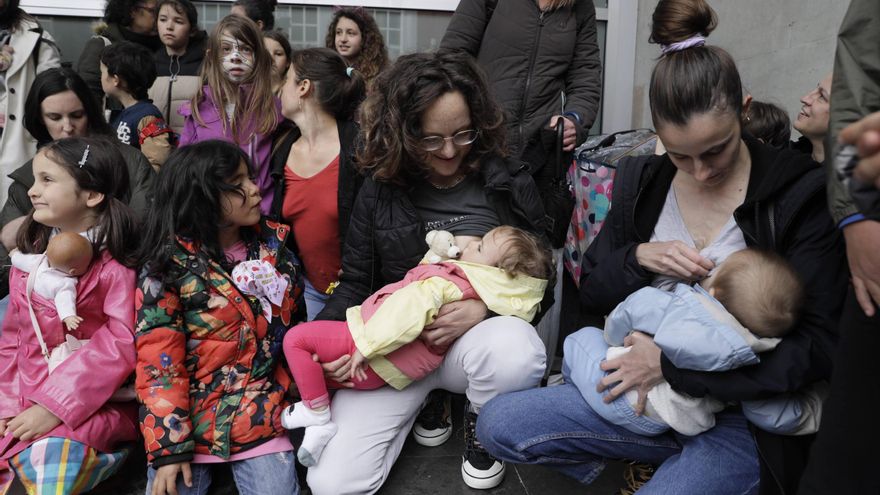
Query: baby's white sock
314, 441
298, 415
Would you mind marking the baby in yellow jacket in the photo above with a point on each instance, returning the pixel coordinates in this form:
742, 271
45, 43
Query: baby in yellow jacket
508, 269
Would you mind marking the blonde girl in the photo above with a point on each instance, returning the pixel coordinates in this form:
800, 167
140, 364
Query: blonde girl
235, 102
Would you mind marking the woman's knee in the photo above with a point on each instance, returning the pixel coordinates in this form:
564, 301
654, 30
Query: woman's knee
508, 348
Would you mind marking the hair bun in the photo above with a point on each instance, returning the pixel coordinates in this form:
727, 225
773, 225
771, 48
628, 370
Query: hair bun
678, 20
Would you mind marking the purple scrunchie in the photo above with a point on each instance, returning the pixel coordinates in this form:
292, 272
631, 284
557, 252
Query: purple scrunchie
695, 40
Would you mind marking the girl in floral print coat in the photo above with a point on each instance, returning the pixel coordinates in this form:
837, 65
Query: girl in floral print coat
209, 345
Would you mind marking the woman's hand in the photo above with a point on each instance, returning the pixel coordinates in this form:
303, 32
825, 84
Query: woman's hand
673, 258
865, 135
453, 320
639, 369
9, 232
32, 423
569, 135
165, 481
338, 370
358, 367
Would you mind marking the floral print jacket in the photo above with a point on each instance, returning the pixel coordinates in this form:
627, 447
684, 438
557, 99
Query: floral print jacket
208, 370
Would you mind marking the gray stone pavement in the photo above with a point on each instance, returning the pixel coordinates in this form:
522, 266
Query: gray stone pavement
419, 470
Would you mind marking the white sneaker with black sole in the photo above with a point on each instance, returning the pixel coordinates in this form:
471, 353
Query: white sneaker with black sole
479, 469
433, 426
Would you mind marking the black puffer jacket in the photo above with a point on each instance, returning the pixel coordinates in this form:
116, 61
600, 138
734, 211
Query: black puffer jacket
350, 180
386, 237
529, 57
785, 211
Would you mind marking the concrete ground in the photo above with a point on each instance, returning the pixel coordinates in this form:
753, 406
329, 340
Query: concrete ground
418, 471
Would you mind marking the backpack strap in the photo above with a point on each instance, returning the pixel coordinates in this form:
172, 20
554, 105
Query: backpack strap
32, 276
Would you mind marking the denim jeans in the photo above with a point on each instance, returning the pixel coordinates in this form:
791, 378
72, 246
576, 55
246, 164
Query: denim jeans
270, 473
555, 427
315, 300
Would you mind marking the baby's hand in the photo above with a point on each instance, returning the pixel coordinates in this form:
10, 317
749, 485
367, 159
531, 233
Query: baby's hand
72, 322
358, 367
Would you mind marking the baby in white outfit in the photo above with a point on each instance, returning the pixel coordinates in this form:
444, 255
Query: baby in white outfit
68, 256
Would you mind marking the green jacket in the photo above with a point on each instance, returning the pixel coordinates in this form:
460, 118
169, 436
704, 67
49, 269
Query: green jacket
855, 92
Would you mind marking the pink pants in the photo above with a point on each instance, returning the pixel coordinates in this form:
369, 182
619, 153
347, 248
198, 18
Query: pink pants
330, 340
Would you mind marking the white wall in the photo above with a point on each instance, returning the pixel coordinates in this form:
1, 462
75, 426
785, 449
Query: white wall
782, 47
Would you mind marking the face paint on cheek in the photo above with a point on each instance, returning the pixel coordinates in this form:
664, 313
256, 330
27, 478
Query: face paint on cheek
236, 65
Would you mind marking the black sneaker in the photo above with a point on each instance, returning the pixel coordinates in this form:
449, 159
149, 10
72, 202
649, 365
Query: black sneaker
479, 470
434, 424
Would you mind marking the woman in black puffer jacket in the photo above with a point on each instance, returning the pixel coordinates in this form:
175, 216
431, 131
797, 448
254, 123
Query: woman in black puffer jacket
434, 160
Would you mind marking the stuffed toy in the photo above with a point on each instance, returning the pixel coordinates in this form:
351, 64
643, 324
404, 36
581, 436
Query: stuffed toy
441, 247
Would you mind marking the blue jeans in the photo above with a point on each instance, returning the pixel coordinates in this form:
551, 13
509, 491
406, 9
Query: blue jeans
555, 427
315, 300
270, 473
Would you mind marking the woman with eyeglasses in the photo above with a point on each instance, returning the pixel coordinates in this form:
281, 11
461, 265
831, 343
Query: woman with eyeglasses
313, 165
434, 158
125, 20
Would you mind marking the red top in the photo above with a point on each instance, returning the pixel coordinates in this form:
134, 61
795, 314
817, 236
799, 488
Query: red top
310, 206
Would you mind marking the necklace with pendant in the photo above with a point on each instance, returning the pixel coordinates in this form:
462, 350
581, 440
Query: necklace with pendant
450, 186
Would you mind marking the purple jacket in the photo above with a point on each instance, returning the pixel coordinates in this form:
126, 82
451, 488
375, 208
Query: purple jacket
258, 147
78, 390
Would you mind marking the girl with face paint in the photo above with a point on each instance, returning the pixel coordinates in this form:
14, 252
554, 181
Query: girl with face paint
235, 102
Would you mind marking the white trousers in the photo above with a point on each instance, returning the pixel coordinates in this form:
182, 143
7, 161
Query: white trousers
499, 355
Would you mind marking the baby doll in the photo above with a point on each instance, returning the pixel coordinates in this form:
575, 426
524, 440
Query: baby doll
68, 256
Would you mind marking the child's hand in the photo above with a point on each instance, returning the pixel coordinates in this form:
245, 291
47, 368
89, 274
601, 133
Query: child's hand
3, 427
358, 367
33, 422
165, 481
72, 322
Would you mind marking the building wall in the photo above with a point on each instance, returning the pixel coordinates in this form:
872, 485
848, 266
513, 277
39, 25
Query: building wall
782, 48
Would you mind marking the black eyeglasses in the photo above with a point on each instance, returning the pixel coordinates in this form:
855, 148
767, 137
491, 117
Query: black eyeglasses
460, 138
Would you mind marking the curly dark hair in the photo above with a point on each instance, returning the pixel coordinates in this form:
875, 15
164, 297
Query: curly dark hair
373, 57
392, 115
119, 11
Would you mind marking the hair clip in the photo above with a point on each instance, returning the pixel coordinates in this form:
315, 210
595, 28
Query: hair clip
84, 157
348, 71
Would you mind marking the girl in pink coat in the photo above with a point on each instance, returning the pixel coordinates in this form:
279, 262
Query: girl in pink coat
58, 430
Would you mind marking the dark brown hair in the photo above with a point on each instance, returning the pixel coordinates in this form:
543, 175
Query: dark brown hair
259, 102
373, 57
694, 80
769, 123
524, 254
761, 290
391, 117
338, 93
102, 171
